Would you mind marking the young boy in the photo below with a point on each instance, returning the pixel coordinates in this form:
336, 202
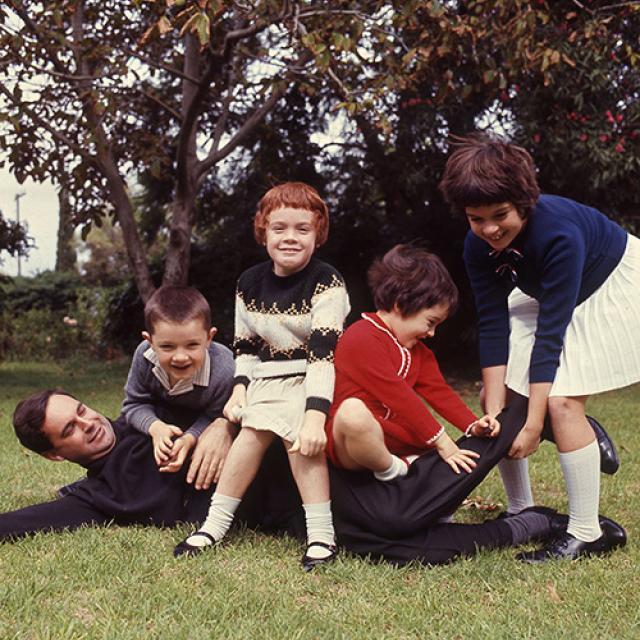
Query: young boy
384, 374
290, 312
179, 379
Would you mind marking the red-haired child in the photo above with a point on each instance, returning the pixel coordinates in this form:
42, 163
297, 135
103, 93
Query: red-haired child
289, 314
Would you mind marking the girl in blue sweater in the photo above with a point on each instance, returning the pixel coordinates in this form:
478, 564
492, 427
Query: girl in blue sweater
557, 292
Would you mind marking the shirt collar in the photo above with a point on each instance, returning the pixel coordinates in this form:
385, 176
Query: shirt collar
200, 378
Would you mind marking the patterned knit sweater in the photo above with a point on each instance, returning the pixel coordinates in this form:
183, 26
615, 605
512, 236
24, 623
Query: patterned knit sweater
290, 325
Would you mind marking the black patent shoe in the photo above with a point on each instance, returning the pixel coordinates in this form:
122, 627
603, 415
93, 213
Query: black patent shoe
186, 549
567, 547
609, 460
309, 563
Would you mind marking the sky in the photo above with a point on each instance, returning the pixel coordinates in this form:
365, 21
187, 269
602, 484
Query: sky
39, 209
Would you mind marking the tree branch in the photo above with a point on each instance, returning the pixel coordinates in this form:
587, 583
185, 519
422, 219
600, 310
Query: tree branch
215, 156
42, 122
19, 8
160, 65
158, 101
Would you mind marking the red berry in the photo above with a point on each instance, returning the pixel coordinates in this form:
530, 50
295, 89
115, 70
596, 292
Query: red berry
619, 147
603, 137
583, 137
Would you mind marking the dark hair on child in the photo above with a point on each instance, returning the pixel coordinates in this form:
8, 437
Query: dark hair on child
28, 420
296, 195
412, 279
176, 305
483, 170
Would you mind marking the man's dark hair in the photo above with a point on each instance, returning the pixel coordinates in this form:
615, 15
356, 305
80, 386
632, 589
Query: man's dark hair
412, 279
28, 420
176, 305
484, 170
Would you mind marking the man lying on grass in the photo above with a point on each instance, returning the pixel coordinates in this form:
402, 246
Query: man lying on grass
124, 486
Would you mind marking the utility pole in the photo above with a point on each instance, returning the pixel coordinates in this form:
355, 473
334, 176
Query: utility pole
17, 199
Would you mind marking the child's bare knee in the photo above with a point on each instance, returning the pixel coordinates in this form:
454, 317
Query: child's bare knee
353, 417
561, 408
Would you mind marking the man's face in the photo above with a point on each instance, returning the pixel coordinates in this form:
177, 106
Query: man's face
77, 433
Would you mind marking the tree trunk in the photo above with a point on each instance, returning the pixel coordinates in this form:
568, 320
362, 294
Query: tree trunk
176, 270
65, 253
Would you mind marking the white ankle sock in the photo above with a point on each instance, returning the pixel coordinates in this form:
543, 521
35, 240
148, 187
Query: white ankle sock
515, 478
581, 470
319, 527
397, 468
218, 520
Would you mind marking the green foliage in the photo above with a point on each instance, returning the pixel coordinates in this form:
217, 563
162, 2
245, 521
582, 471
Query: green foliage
13, 238
121, 582
52, 316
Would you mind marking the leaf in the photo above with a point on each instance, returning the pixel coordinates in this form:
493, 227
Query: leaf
553, 594
164, 25
488, 76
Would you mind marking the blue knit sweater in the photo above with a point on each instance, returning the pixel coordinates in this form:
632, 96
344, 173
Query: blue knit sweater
568, 251
145, 399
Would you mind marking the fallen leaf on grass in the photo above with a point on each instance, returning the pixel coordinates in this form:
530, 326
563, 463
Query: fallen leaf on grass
480, 503
553, 594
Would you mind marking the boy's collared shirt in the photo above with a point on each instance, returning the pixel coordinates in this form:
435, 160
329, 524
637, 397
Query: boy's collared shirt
200, 378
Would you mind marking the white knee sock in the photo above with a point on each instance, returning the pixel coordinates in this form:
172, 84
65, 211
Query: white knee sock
218, 520
515, 478
581, 470
319, 527
397, 468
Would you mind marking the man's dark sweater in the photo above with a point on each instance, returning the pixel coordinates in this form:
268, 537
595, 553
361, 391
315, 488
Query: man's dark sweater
125, 487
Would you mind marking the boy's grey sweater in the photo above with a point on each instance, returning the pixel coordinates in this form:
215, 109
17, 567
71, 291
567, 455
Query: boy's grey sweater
147, 400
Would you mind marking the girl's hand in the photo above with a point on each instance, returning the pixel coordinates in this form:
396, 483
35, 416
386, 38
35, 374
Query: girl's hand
485, 427
235, 404
455, 457
525, 443
312, 439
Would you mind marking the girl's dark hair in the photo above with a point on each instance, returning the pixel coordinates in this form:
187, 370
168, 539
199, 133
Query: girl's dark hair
483, 170
412, 279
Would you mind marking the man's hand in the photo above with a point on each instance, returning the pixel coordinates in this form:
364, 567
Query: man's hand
236, 402
312, 439
455, 457
163, 435
525, 443
210, 453
485, 427
179, 453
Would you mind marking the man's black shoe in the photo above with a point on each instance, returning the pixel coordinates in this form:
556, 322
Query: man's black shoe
566, 547
609, 460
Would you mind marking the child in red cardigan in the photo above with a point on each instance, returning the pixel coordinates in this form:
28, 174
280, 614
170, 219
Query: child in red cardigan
385, 375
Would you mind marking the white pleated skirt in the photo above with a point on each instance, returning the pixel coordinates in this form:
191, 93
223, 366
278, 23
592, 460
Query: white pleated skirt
601, 349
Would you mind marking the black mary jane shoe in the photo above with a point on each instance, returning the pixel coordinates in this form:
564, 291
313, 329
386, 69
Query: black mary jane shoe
609, 459
308, 563
186, 549
567, 547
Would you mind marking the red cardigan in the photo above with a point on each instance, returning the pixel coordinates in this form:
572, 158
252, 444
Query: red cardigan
393, 382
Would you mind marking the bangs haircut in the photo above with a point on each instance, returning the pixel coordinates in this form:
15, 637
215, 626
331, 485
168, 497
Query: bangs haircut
28, 420
294, 195
176, 305
484, 171
411, 279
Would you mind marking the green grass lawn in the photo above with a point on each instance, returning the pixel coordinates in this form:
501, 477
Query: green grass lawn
124, 583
